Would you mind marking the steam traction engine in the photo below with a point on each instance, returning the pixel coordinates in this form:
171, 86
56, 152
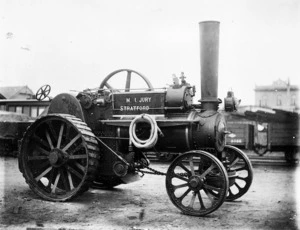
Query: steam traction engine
99, 138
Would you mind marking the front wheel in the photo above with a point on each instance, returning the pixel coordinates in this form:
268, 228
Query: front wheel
197, 183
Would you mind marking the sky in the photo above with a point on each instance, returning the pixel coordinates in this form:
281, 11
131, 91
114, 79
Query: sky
74, 45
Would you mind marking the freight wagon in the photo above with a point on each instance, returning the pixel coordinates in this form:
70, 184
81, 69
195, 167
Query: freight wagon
15, 116
263, 131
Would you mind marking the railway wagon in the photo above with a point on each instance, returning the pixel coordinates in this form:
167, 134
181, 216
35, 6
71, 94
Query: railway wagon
241, 135
274, 131
15, 116
283, 137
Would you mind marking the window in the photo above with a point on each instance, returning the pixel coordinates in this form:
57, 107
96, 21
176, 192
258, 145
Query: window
19, 109
34, 111
264, 101
278, 102
26, 110
2, 107
12, 109
293, 100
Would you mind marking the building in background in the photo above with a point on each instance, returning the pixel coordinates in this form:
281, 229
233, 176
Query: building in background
16, 92
280, 95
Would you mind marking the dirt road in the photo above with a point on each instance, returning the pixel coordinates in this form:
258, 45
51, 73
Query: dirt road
269, 204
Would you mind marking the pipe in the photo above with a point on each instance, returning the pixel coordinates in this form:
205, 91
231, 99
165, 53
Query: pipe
209, 61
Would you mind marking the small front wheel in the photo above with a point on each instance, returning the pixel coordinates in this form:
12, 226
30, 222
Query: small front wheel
197, 183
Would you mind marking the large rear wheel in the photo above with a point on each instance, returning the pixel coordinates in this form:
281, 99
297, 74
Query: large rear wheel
59, 157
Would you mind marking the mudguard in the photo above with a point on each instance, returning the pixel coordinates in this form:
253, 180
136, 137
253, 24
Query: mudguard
67, 104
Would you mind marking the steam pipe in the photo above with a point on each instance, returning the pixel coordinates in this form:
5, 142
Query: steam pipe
209, 61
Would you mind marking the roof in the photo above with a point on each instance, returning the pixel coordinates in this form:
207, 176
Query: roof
10, 92
279, 85
260, 114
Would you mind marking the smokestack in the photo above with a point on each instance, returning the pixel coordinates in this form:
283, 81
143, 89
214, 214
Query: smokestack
209, 61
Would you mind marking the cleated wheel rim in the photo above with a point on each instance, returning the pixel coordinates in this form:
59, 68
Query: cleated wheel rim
197, 183
240, 165
58, 157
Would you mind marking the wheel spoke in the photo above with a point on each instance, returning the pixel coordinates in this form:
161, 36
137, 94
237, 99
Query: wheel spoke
234, 162
70, 180
49, 140
128, 81
43, 174
72, 142
42, 165
201, 201
191, 205
71, 152
55, 183
212, 187
240, 169
237, 185
184, 194
181, 177
180, 186
108, 86
40, 141
207, 171
74, 172
34, 158
192, 165
60, 135
50, 179
82, 168
73, 157
210, 196
42, 151
184, 168
52, 131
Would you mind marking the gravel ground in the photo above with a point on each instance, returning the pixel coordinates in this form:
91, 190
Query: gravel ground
270, 203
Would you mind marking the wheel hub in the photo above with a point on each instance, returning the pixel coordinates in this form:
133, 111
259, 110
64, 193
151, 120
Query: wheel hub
57, 157
195, 183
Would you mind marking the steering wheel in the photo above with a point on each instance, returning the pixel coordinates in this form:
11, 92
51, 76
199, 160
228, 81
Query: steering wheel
43, 92
128, 80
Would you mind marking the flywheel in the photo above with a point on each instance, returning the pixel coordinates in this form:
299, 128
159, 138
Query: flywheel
59, 157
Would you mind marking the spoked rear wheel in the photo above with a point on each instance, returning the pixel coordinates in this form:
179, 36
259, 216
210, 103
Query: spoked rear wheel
59, 157
197, 183
241, 170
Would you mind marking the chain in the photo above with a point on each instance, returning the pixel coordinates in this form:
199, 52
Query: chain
153, 171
